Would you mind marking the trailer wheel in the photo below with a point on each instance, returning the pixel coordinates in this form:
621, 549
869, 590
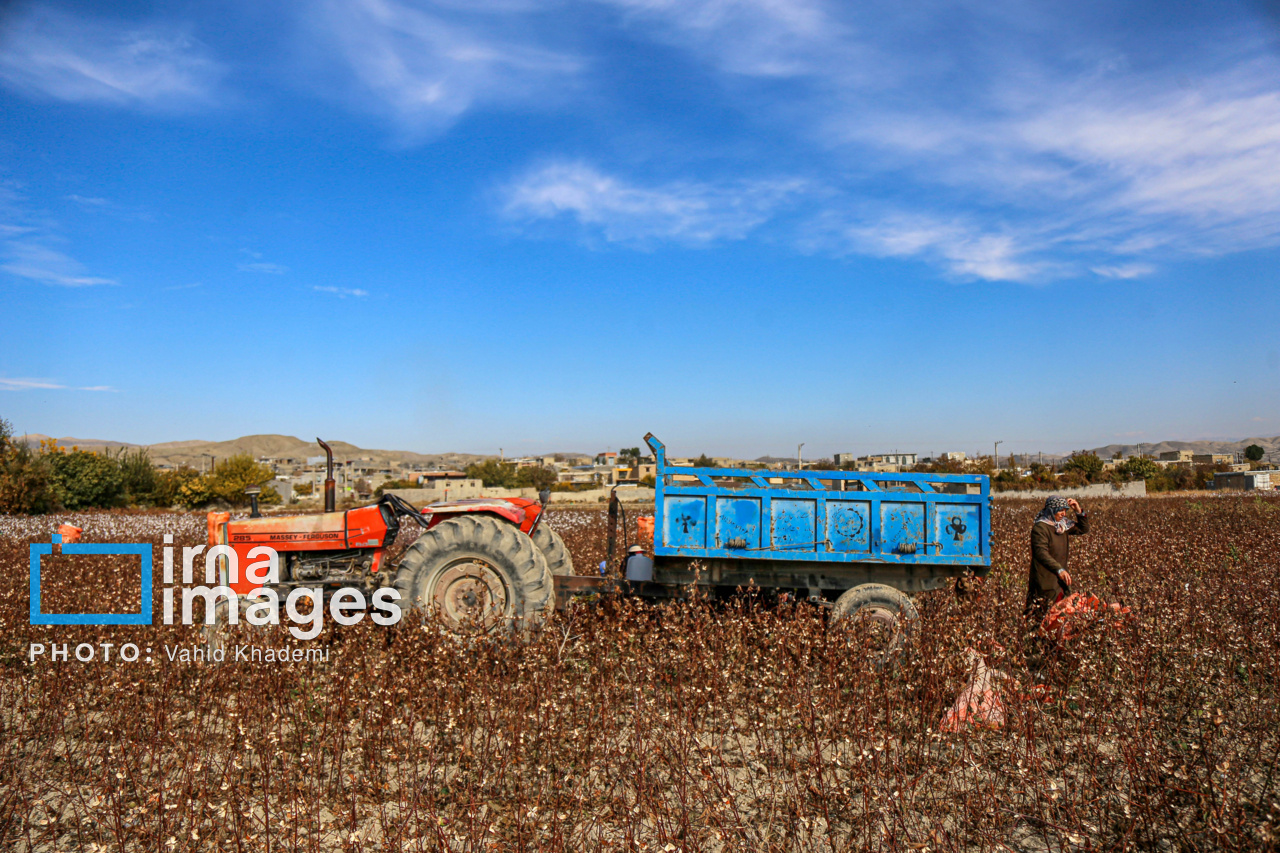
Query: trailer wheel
552, 547
885, 617
476, 572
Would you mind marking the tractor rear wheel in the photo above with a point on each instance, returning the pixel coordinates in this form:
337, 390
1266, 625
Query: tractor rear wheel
884, 618
478, 572
552, 547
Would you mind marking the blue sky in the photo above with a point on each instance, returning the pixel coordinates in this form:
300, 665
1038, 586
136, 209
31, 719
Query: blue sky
558, 225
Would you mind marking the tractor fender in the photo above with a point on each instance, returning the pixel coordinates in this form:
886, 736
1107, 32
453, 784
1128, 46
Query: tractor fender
513, 511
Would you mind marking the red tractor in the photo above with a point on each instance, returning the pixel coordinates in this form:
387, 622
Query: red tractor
488, 561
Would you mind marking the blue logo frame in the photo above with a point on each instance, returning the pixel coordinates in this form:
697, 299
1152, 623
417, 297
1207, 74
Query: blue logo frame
143, 550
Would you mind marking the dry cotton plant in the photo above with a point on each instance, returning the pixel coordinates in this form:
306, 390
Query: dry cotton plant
694, 726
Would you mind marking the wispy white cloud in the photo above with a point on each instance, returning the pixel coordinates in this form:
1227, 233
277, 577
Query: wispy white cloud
1201, 165
94, 205
963, 249
1124, 271
32, 259
1126, 164
47, 53
683, 211
422, 68
263, 267
28, 246
341, 292
1012, 116
17, 384
760, 38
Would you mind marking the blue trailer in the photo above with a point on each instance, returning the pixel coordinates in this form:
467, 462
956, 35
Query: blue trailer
856, 543
817, 533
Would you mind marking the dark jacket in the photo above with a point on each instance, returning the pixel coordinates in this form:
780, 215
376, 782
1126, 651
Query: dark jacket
1050, 551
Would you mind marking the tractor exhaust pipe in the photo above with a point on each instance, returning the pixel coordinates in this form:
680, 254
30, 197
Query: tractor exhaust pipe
330, 495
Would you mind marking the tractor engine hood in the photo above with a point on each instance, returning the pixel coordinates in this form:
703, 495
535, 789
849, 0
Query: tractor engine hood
363, 527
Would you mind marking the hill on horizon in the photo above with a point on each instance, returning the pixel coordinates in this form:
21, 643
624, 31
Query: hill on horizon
195, 452
1270, 447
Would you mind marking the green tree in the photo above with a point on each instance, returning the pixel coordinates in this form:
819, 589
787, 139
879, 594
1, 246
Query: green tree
384, 487
195, 491
980, 465
170, 483
1085, 464
236, 474
137, 475
493, 472
1071, 480
704, 461
1254, 453
84, 480
938, 466
1041, 474
1139, 468
1008, 480
629, 456
26, 483
536, 476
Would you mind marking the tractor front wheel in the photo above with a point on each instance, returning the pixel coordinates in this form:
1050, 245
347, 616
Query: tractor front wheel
221, 636
476, 572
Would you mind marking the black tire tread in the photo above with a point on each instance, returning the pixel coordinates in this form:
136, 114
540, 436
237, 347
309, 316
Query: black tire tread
220, 633
864, 595
553, 549
498, 542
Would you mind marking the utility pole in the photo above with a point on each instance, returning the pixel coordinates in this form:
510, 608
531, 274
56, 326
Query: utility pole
996, 455
799, 464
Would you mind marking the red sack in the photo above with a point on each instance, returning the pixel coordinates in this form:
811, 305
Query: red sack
1073, 614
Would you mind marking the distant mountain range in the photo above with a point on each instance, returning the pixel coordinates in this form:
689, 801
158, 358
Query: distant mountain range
196, 453
1270, 447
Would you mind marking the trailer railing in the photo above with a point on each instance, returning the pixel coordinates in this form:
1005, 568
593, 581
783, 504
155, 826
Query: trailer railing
821, 516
